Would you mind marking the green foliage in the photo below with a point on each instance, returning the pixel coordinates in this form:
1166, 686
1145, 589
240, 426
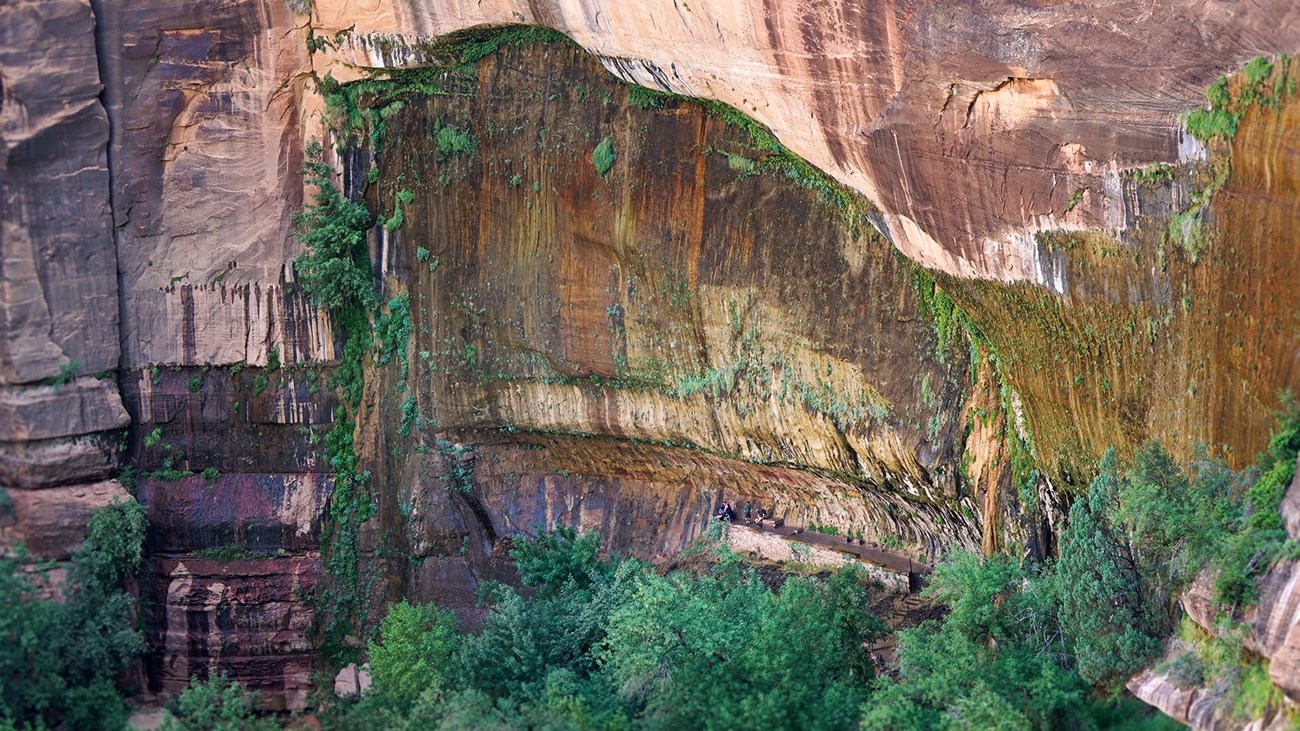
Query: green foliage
335, 271
67, 374
1153, 174
58, 660
195, 384
645, 98
336, 275
210, 474
454, 141
603, 157
401, 198
558, 561
996, 658
1255, 538
217, 704
224, 553
460, 466
471, 46
1027, 647
1097, 568
393, 336
612, 644
408, 415
415, 652
951, 324
1261, 82
153, 437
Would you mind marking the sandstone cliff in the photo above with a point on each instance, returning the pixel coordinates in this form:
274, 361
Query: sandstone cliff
619, 349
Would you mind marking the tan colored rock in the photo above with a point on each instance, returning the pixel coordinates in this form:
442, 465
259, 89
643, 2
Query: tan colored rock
1186, 705
954, 122
352, 681
1276, 626
51, 522
46, 412
58, 283
773, 547
206, 151
1291, 506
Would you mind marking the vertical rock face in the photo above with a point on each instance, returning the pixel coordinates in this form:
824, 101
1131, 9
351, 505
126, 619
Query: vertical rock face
680, 327
235, 496
58, 284
60, 428
204, 101
620, 349
970, 128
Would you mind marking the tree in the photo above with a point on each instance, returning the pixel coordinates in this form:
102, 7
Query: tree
996, 655
552, 561
1111, 623
335, 271
58, 661
217, 704
417, 645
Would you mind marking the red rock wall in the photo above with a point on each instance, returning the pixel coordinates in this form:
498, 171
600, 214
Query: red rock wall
147, 229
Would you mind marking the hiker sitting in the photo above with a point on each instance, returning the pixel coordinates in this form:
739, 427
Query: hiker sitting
725, 512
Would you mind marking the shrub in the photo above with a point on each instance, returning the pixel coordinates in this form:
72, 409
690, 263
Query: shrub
58, 660
217, 704
334, 272
454, 141
415, 651
603, 156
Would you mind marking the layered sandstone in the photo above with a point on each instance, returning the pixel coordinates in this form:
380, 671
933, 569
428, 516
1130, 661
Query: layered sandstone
618, 352
970, 130
60, 428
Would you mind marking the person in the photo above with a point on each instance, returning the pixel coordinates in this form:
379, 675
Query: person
725, 512
747, 512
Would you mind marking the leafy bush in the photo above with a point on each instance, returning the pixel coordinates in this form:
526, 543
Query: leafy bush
1255, 537
558, 561
1098, 568
335, 272
58, 660
454, 141
415, 652
611, 643
217, 704
1261, 82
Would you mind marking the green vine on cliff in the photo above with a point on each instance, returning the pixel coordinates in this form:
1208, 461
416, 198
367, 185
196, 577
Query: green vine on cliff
335, 275
952, 326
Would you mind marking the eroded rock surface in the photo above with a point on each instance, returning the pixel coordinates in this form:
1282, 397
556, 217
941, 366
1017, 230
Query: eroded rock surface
970, 129
678, 331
